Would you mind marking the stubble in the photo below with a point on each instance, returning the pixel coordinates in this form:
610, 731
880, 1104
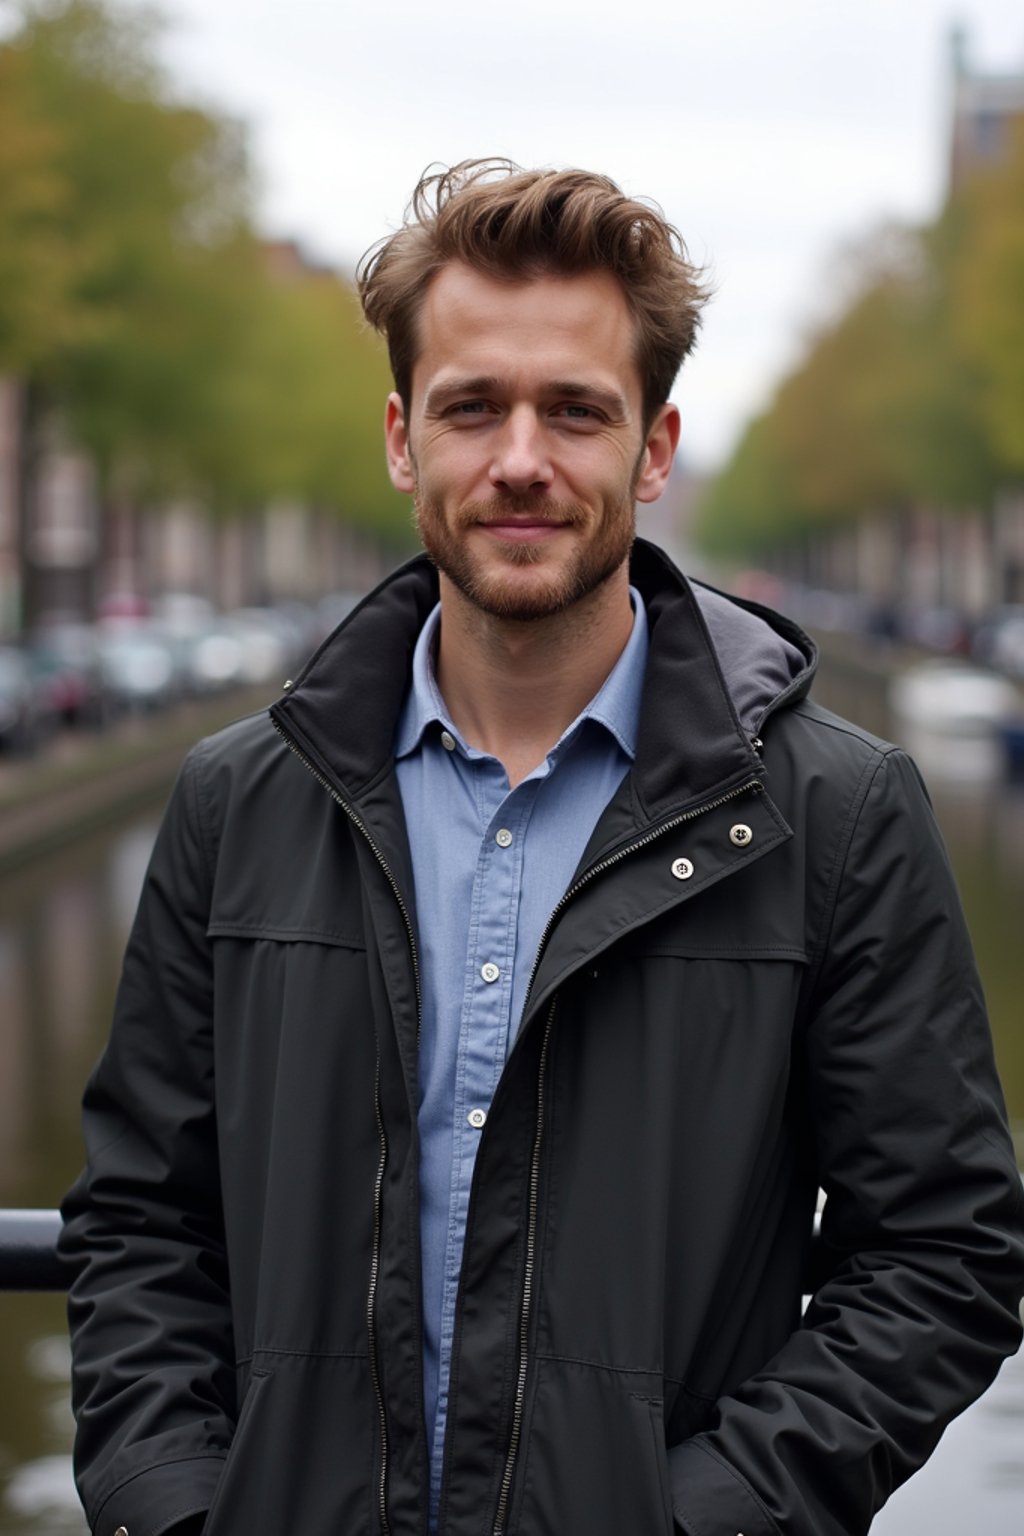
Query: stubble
591, 563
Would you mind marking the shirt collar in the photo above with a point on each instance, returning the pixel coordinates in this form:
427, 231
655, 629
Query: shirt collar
615, 706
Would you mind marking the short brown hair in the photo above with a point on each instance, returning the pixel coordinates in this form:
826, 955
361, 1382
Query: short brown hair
516, 224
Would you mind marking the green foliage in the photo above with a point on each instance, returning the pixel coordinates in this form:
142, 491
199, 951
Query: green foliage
749, 505
913, 394
135, 295
35, 260
294, 408
990, 297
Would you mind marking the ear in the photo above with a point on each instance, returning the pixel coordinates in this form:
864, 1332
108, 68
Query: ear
659, 452
396, 440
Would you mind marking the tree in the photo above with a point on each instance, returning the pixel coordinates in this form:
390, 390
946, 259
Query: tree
989, 292
35, 263
137, 302
154, 201
882, 412
297, 407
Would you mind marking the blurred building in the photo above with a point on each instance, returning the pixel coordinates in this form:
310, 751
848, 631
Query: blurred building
69, 552
669, 520
987, 109
49, 517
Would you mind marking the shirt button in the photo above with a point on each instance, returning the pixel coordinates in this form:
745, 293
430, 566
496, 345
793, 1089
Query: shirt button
740, 835
682, 869
503, 838
490, 971
477, 1118
122, 1530
448, 741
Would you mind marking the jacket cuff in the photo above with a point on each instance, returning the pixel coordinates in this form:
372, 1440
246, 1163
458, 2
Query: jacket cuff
710, 1499
155, 1500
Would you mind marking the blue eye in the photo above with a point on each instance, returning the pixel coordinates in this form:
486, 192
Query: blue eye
574, 412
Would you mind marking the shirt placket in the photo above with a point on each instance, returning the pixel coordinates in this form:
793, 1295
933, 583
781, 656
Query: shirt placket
485, 1014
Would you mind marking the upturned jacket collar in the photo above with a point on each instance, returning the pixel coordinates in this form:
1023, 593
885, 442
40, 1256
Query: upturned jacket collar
717, 668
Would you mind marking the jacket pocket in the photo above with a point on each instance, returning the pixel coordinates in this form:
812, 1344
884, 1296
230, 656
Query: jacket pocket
656, 1418
237, 1454
595, 1460
302, 1454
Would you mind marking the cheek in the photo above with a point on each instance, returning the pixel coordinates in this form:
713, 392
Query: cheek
450, 463
605, 465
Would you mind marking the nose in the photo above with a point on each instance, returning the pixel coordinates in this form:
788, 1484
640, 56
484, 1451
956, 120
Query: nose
521, 459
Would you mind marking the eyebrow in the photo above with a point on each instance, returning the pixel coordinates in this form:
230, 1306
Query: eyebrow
571, 389
442, 394
610, 400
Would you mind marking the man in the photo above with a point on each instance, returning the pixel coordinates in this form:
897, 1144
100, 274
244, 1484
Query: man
495, 1009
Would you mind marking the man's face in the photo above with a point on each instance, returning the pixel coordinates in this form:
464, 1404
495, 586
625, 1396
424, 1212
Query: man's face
524, 446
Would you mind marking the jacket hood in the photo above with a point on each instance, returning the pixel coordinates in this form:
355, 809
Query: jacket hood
717, 667
766, 659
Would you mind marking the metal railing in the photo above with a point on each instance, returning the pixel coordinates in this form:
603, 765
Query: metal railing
28, 1252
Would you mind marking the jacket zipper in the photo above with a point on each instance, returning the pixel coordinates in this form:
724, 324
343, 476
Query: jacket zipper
378, 1188
527, 1296
519, 1401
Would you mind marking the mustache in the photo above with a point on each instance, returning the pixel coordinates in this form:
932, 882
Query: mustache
510, 506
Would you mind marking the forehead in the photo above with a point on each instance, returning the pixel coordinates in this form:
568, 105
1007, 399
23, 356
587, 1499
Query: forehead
548, 327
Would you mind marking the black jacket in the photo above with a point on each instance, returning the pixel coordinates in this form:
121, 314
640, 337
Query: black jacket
758, 983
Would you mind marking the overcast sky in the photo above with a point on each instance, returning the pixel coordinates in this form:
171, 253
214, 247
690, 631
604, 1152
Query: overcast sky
771, 134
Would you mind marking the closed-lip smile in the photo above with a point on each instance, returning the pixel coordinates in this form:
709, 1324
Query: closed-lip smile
523, 527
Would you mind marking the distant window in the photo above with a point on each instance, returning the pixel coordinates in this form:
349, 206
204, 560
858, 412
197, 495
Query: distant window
989, 135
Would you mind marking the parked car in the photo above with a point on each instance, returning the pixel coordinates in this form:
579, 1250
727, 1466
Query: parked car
935, 627
333, 608
66, 665
267, 645
211, 657
23, 714
1001, 640
303, 626
138, 665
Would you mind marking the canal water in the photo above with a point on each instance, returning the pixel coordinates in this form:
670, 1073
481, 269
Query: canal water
63, 925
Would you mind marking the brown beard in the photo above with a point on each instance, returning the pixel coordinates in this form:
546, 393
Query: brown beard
591, 565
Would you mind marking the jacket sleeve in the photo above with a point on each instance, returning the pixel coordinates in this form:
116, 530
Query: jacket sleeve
922, 1224
153, 1361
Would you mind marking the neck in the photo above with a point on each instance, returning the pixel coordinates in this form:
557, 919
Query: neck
514, 686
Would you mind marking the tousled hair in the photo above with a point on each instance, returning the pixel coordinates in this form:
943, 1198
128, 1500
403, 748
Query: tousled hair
517, 224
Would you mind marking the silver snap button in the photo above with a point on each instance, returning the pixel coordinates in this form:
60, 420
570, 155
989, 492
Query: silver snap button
490, 971
503, 838
477, 1118
448, 741
682, 869
741, 834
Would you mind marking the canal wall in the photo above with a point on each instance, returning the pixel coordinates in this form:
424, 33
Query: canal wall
81, 781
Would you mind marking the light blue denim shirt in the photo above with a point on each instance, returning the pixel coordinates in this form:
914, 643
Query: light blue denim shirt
489, 866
